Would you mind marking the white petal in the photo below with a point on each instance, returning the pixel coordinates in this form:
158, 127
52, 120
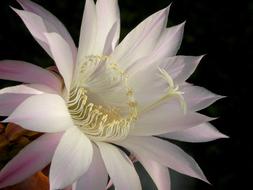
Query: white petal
20, 89
34, 157
181, 67
52, 24
141, 40
198, 98
28, 73
164, 153
42, 113
62, 56
159, 173
108, 9
169, 42
119, 167
111, 41
96, 170
36, 26
9, 102
88, 31
201, 133
71, 160
11, 97
166, 118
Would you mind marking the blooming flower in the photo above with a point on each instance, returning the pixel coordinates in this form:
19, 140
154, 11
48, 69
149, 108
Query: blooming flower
105, 96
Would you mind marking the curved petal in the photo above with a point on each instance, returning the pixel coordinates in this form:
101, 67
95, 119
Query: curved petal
11, 97
62, 56
71, 160
108, 9
42, 113
198, 98
119, 167
34, 157
164, 153
28, 73
159, 174
9, 102
166, 118
96, 170
204, 132
20, 89
88, 31
51, 23
141, 41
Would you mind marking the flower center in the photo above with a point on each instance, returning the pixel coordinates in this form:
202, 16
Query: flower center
101, 102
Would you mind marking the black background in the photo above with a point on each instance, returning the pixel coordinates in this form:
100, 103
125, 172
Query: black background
221, 29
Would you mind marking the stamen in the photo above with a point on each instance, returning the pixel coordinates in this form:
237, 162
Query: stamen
100, 122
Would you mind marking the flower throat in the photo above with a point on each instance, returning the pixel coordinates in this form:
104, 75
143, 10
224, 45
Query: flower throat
101, 122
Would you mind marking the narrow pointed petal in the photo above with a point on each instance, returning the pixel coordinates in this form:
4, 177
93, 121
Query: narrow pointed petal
169, 42
164, 153
119, 167
159, 173
28, 73
201, 133
111, 41
88, 31
182, 67
96, 170
36, 26
108, 9
52, 24
141, 41
42, 113
162, 120
62, 56
34, 157
198, 98
71, 160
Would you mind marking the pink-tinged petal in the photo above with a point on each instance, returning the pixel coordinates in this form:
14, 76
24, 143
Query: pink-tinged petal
51, 23
34, 157
88, 31
169, 42
119, 167
164, 153
62, 56
9, 102
108, 9
36, 26
71, 160
28, 73
159, 173
141, 41
181, 67
204, 132
111, 40
96, 170
20, 89
11, 97
198, 98
166, 118
42, 113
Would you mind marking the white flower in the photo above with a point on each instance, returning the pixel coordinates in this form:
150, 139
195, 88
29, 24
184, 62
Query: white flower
105, 94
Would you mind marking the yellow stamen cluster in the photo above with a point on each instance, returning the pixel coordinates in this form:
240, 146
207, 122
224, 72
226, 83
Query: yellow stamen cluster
101, 122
